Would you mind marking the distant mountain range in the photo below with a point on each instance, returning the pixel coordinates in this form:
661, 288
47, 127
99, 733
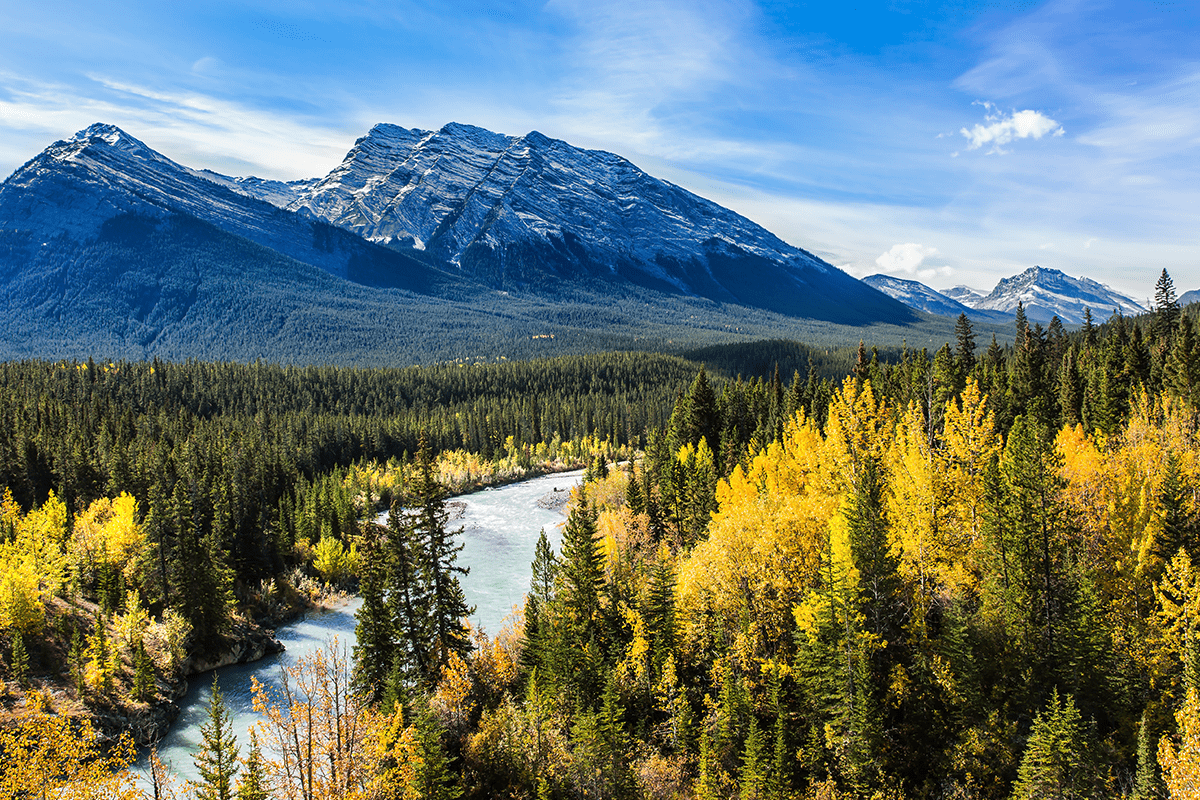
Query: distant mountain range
922, 298
420, 245
1044, 293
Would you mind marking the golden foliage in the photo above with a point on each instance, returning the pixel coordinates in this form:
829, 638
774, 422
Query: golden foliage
48, 757
325, 742
1181, 764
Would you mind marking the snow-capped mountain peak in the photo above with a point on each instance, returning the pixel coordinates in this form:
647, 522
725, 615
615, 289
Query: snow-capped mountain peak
1046, 292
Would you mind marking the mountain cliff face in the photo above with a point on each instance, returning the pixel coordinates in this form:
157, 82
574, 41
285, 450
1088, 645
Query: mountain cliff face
415, 235
516, 212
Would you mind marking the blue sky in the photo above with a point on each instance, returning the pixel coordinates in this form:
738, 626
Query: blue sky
952, 141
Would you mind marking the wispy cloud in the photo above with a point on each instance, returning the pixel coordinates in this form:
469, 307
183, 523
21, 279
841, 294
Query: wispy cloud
191, 127
1002, 129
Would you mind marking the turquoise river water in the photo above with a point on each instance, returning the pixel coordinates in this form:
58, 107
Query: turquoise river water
499, 531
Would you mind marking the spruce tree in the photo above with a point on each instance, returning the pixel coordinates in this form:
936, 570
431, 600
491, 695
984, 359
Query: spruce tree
752, 778
964, 353
1181, 374
1070, 390
537, 607
217, 761
374, 647
438, 558
253, 783
143, 673
432, 778
1178, 527
19, 660
580, 578
1147, 782
408, 602
1166, 307
1058, 759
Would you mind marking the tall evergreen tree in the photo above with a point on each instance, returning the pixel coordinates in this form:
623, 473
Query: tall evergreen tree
438, 558
216, 762
253, 783
408, 601
1058, 760
580, 580
537, 607
374, 648
1166, 307
964, 352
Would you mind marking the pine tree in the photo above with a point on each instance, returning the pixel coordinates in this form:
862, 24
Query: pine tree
660, 609
374, 647
448, 607
216, 762
1181, 373
964, 353
1166, 308
19, 660
143, 673
1070, 390
1147, 783
537, 607
1088, 328
1058, 759
1178, 527
432, 778
408, 602
752, 778
870, 548
580, 579
253, 783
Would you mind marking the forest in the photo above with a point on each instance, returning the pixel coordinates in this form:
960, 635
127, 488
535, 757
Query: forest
958, 574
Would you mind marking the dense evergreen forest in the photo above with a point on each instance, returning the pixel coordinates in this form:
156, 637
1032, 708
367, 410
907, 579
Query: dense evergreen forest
958, 574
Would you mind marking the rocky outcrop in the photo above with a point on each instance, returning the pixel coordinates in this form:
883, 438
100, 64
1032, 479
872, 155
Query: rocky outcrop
250, 643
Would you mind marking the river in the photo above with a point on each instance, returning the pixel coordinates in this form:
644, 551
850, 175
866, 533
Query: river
499, 532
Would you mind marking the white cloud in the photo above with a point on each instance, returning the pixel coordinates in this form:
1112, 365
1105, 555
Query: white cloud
1001, 130
905, 257
196, 129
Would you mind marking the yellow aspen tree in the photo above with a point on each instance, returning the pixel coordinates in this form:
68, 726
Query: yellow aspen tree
47, 757
858, 429
321, 735
1181, 764
971, 441
764, 545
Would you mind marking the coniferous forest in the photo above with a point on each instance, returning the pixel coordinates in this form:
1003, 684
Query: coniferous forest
959, 574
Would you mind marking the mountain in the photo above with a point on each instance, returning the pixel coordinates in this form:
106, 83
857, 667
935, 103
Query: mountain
923, 298
531, 212
1189, 297
458, 243
963, 294
1048, 292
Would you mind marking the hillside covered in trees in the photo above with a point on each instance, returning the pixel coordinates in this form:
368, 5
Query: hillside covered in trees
965, 573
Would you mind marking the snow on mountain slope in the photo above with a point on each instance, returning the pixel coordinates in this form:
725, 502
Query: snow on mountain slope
76, 185
963, 294
512, 211
489, 210
1048, 292
916, 295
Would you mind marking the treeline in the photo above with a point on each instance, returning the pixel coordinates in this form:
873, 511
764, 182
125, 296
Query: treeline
956, 575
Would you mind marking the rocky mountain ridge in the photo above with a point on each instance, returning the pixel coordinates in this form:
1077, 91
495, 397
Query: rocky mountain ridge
1044, 293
